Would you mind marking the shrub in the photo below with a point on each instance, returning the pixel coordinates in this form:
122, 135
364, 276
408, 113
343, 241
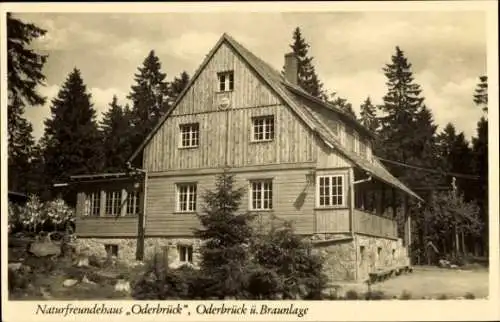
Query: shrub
351, 295
18, 280
469, 296
442, 297
374, 295
405, 295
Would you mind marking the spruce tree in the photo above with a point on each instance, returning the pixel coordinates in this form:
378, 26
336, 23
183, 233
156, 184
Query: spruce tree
149, 98
307, 78
481, 93
115, 128
24, 74
368, 115
226, 236
176, 86
72, 142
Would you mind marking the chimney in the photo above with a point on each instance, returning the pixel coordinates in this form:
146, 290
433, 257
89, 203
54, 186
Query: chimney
291, 68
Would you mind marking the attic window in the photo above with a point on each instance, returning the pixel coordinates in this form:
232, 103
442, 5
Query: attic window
226, 81
190, 135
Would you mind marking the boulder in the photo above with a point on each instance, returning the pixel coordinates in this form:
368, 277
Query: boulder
70, 282
82, 261
15, 266
444, 263
87, 281
45, 248
122, 286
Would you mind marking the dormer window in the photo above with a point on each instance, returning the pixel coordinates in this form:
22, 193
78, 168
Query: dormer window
226, 81
190, 135
263, 128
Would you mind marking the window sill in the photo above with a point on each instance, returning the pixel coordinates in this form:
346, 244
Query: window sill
331, 208
188, 147
107, 217
224, 92
261, 210
185, 212
261, 141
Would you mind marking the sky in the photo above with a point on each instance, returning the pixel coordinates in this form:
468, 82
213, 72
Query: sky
447, 50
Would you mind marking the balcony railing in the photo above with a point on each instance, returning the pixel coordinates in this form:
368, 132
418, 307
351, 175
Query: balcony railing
372, 224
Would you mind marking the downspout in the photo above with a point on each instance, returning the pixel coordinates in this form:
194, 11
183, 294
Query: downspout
351, 210
142, 220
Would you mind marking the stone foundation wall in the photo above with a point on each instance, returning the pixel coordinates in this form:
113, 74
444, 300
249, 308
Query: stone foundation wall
378, 252
339, 253
127, 248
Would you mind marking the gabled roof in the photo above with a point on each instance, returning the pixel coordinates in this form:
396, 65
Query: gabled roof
303, 104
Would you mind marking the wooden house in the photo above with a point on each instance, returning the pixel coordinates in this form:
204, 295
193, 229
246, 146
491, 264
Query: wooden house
301, 159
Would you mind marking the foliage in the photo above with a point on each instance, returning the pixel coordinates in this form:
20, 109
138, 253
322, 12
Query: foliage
481, 93
227, 236
176, 86
115, 129
307, 77
38, 216
24, 75
368, 115
149, 96
72, 142
289, 267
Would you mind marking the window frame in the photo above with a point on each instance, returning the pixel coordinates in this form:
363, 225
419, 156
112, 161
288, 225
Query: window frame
225, 81
190, 201
262, 195
266, 128
93, 203
330, 197
115, 204
193, 135
136, 203
185, 253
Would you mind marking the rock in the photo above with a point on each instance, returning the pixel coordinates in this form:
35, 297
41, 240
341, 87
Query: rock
15, 266
87, 281
82, 261
45, 248
453, 266
70, 282
122, 286
444, 263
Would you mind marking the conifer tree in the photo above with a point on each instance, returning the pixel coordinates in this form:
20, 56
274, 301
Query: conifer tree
307, 77
149, 98
368, 115
227, 236
176, 86
481, 93
115, 128
72, 142
24, 74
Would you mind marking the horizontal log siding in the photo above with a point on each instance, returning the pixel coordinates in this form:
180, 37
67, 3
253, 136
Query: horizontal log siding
293, 200
371, 224
106, 226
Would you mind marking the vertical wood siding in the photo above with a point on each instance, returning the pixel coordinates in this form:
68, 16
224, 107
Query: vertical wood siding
375, 225
332, 220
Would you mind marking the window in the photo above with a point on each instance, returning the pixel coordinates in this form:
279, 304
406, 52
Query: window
113, 202
261, 195
350, 140
263, 128
111, 250
93, 204
133, 203
363, 149
190, 135
185, 253
186, 197
226, 81
331, 191
362, 252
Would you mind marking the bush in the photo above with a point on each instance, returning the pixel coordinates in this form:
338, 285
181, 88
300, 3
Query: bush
351, 295
405, 295
18, 280
469, 296
374, 295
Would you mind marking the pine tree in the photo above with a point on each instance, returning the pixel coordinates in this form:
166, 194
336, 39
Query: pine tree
307, 77
227, 236
368, 115
115, 128
149, 98
72, 142
24, 74
481, 93
176, 86
341, 103
456, 156
24, 66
